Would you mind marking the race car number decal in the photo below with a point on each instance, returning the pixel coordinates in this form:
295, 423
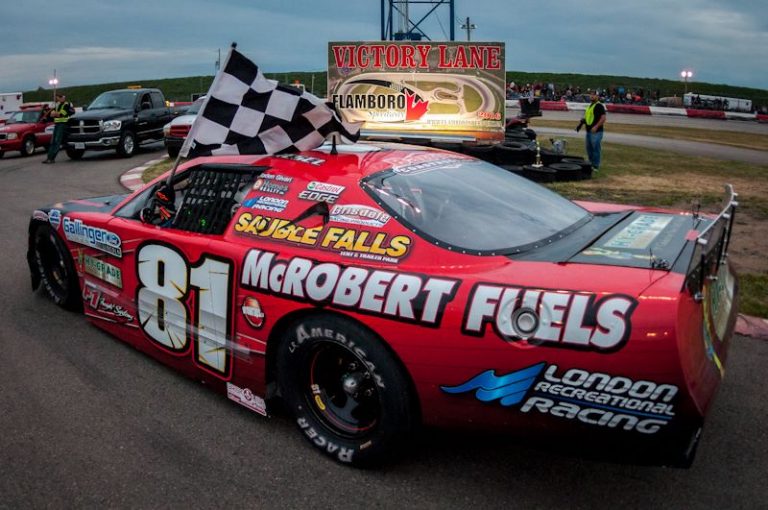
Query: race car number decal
168, 285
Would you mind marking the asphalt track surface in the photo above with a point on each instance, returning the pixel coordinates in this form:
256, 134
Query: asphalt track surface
88, 422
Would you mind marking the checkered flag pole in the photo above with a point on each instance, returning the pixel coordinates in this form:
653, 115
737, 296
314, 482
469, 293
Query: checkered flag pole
245, 113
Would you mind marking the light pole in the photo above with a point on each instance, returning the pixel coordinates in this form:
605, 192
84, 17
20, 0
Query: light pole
686, 76
53, 82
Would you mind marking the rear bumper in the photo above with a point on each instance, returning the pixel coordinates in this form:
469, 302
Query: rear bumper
173, 142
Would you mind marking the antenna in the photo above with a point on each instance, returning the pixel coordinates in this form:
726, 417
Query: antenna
469, 27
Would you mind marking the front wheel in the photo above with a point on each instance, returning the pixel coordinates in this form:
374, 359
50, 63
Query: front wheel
349, 395
74, 154
28, 146
54, 265
126, 147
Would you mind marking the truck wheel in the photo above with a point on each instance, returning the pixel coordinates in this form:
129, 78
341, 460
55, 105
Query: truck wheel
349, 395
74, 154
28, 146
54, 264
173, 151
126, 147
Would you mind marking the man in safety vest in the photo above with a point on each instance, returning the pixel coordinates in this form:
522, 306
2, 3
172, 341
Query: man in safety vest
60, 115
594, 118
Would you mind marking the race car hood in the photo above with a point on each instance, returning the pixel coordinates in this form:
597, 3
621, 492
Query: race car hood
97, 204
103, 114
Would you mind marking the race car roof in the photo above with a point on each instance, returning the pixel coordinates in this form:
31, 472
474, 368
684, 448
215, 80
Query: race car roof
361, 159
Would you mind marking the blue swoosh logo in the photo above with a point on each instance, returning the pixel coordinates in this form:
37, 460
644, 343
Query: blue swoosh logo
509, 389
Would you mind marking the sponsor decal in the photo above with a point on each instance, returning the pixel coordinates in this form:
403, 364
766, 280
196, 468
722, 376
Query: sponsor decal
640, 233
321, 192
98, 238
420, 164
594, 398
353, 243
270, 186
54, 218
102, 304
357, 214
40, 215
246, 398
310, 160
102, 270
571, 319
408, 297
266, 203
252, 312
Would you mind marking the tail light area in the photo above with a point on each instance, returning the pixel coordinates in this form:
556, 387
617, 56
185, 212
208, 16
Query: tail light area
179, 131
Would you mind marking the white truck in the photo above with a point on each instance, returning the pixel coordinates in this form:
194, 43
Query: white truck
9, 102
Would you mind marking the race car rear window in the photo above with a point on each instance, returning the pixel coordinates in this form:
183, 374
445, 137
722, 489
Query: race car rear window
473, 206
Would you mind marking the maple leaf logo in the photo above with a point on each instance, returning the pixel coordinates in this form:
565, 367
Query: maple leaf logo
415, 108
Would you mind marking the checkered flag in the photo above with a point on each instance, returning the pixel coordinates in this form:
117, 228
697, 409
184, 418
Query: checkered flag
245, 113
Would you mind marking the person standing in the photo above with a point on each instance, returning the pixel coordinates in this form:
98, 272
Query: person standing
60, 114
594, 119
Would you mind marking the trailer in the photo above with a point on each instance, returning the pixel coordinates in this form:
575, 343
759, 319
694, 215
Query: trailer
707, 102
9, 102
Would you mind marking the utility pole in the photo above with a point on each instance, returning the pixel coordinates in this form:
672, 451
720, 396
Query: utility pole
469, 27
218, 63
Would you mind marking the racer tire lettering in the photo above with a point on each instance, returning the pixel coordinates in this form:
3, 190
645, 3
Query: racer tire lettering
53, 263
365, 427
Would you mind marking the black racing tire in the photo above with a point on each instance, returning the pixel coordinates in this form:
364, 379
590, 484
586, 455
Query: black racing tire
566, 171
127, 145
53, 263
28, 146
74, 154
586, 166
350, 396
515, 169
173, 151
539, 174
530, 133
549, 156
2, 154
484, 152
449, 146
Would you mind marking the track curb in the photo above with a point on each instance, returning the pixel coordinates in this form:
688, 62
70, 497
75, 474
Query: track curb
131, 180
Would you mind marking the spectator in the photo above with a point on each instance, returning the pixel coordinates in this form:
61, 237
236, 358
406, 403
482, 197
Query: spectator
594, 119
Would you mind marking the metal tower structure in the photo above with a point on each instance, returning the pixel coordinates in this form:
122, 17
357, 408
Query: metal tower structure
397, 19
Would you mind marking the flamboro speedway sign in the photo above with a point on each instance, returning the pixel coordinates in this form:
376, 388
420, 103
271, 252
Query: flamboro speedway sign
420, 89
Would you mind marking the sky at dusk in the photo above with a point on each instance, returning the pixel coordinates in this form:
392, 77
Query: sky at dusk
100, 41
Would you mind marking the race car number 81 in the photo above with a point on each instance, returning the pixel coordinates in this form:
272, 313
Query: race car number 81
168, 285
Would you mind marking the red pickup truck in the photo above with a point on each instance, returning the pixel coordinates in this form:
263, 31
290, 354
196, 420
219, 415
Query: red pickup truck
24, 131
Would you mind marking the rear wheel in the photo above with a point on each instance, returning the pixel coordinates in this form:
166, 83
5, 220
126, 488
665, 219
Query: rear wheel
349, 395
56, 269
28, 146
74, 154
126, 147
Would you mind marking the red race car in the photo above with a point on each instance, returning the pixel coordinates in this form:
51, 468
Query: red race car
385, 287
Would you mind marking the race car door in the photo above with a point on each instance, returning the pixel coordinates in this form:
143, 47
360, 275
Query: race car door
181, 294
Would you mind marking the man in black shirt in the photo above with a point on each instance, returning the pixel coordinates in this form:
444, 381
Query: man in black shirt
594, 118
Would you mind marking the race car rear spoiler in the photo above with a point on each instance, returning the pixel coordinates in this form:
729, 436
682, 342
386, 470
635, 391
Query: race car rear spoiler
711, 247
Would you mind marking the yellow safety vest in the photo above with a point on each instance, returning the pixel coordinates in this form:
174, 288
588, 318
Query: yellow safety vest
61, 109
589, 114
